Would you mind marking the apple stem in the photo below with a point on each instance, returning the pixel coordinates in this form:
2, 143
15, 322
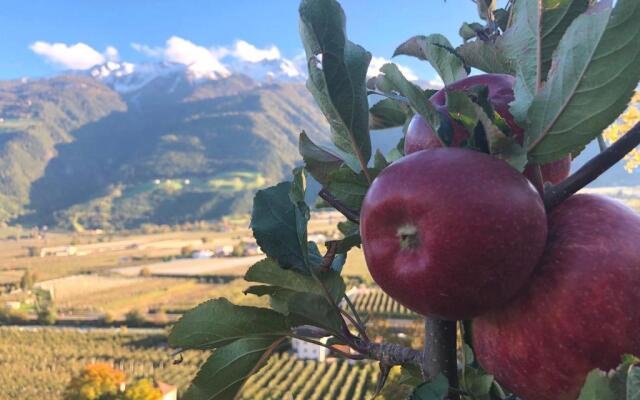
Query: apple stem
440, 353
595, 167
351, 214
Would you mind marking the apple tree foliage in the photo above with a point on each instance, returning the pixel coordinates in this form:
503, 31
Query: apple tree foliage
576, 64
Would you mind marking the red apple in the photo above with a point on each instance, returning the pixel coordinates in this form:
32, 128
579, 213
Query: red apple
581, 310
452, 232
421, 137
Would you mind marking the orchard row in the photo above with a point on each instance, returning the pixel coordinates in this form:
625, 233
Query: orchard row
40, 363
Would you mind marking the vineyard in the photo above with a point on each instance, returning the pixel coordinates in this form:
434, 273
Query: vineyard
38, 363
375, 303
287, 377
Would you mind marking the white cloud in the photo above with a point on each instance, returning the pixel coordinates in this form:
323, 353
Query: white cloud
154, 52
436, 82
77, 56
111, 54
200, 60
378, 62
248, 52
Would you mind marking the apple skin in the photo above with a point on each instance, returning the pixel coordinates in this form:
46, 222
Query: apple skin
451, 232
553, 172
420, 136
580, 311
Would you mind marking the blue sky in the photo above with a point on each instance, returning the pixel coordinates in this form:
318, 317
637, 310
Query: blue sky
35, 26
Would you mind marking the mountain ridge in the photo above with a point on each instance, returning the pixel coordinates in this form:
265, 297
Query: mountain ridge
77, 151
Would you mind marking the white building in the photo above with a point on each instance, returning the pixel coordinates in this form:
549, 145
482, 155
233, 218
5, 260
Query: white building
310, 351
201, 254
169, 392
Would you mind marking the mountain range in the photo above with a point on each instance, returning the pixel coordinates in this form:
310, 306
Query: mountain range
121, 145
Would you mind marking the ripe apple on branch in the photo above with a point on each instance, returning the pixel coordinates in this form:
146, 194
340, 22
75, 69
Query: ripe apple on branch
470, 221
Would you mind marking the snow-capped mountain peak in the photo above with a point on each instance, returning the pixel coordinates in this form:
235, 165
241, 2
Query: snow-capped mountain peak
126, 77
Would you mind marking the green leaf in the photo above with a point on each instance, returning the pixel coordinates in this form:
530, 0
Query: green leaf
318, 161
419, 102
437, 50
267, 271
521, 46
224, 372
298, 186
462, 109
379, 161
337, 78
597, 387
410, 375
502, 146
398, 152
556, 18
436, 389
477, 383
502, 18
485, 8
621, 383
530, 44
218, 322
351, 232
469, 114
389, 113
349, 187
296, 196
278, 297
468, 31
469, 357
276, 223
594, 73
633, 383
485, 56
313, 309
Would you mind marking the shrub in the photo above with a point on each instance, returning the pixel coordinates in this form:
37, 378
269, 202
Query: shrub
27, 280
99, 381
186, 251
135, 317
12, 316
143, 389
48, 315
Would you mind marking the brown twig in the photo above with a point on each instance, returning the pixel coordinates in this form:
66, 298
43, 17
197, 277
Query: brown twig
555, 195
359, 321
351, 214
330, 255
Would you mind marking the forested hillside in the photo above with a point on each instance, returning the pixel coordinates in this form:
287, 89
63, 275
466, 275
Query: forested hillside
77, 154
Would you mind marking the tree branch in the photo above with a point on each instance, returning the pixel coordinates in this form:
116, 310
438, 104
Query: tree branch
389, 353
440, 351
593, 169
351, 214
